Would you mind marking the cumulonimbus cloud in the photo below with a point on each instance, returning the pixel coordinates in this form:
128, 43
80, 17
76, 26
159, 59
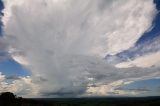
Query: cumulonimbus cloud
65, 41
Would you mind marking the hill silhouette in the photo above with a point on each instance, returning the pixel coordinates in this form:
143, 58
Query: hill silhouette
7, 96
9, 99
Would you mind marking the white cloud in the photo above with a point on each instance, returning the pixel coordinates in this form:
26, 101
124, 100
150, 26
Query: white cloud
22, 86
144, 54
104, 24
148, 60
18, 56
147, 55
102, 90
64, 42
116, 88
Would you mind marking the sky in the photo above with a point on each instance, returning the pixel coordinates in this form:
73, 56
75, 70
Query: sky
82, 48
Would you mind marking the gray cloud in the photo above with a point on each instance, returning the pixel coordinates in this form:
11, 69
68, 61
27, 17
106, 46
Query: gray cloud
4, 55
64, 93
12, 77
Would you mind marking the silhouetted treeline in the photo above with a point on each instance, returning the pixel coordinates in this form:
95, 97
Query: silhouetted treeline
9, 99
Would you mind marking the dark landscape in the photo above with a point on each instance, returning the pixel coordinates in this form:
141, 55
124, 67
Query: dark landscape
9, 99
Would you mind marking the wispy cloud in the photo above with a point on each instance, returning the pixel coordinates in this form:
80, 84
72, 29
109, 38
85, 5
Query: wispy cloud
138, 55
148, 60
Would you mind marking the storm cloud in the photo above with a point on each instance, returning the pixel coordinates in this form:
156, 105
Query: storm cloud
65, 41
